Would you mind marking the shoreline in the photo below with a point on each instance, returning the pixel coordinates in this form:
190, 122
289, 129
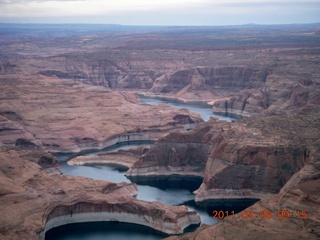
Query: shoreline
216, 112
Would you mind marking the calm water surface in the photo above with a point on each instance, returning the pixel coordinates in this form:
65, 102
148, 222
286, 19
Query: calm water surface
110, 231
122, 231
204, 111
168, 196
98, 172
103, 231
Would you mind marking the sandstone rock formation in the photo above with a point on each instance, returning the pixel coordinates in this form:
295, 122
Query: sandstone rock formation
183, 154
48, 114
68, 93
121, 159
234, 82
238, 75
249, 159
33, 202
66, 116
258, 158
299, 198
254, 159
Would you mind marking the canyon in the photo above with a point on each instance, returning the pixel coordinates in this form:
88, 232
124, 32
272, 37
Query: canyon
70, 90
34, 202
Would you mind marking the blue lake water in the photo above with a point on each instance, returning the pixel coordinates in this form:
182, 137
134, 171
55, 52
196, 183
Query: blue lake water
103, 231
109, 231
122, 231
170, 196
204, 110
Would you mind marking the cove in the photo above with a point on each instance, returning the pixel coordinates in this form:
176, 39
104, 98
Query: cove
121, 231
205, 110
65, 156
103, 231
161, 192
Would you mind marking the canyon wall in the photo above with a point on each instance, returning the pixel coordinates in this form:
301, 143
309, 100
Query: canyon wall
233, 78
67, 116
233, 82
271, 72
271, 158
248, 159
183, 154
292, 214
152, 215
117, 74
32, 201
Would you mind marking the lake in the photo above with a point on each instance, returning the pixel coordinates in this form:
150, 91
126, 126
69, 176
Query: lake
204, 110
123, 231
169, 196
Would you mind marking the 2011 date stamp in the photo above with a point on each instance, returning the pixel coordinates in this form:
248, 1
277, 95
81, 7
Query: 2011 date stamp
263, 214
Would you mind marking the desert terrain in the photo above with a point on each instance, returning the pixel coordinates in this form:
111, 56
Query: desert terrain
66, 89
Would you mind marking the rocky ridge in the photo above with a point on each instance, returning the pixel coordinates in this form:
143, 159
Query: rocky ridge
31, 200
274, 158
179, 153
252, 158
270, 81
123, 159
49, 114
67, 116
300, 197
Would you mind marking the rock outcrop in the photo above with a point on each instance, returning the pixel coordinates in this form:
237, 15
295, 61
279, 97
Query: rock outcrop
178, 154
33, 202
234, 78
292, 214
66, 116
122, 159
268, 82
244, 69
249, 159
268, 100
275, 159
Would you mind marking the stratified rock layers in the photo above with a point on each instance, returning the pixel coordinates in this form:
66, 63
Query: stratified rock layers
67, 116
182, 154
32, 201
292, 214
251, 158
272, 158
233, 81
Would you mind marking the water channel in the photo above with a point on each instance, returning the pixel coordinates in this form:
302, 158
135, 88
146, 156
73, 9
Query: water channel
170, 196
122, 231
203, 109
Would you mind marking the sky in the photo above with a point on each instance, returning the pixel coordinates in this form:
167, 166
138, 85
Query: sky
161, 12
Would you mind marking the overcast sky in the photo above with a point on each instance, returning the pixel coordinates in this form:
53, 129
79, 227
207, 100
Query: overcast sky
161, 12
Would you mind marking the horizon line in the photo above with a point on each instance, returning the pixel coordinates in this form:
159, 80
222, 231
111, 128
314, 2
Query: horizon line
158, 25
